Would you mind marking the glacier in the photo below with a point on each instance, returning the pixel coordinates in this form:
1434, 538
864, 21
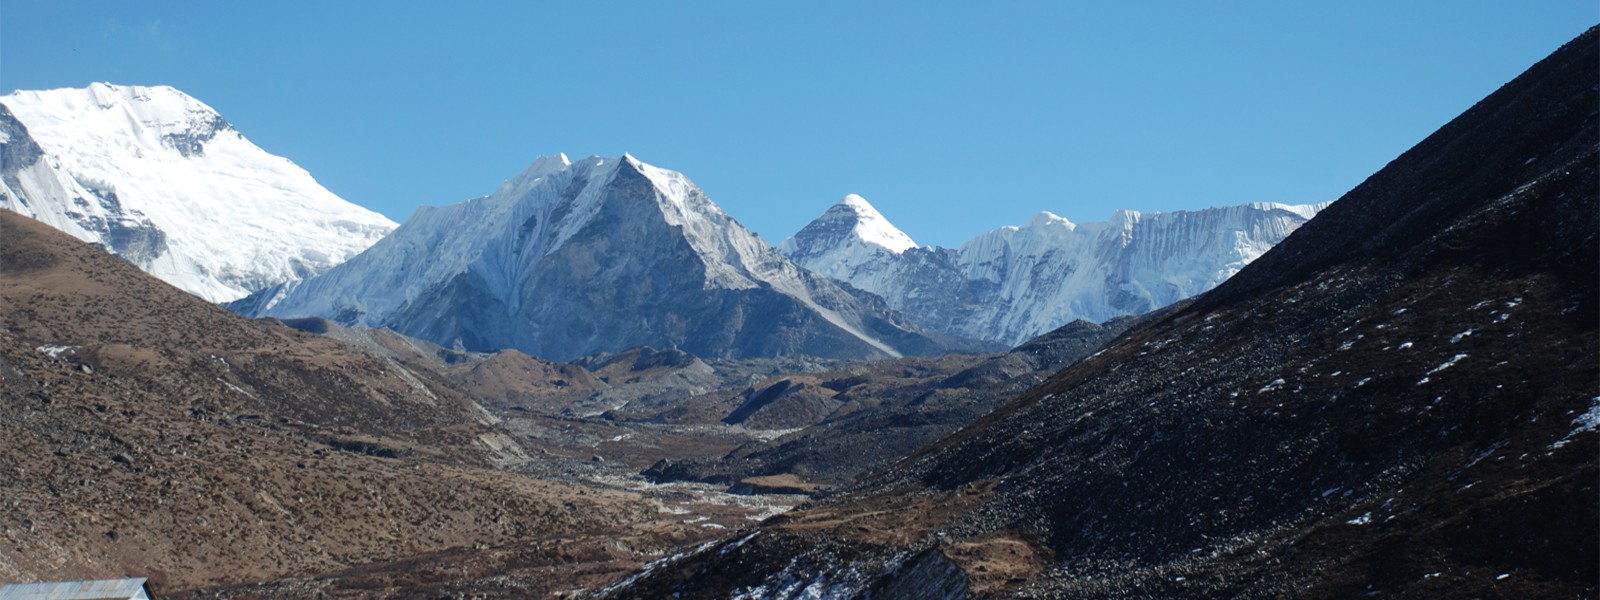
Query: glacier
1017, 282
162, 180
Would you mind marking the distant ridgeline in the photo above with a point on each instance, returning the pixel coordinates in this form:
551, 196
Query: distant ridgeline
572, 259
1014, 283
1397, 400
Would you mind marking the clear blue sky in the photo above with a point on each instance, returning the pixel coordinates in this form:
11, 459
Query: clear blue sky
952, 118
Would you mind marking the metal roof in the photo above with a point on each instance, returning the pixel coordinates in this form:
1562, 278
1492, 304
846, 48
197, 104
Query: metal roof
103, 589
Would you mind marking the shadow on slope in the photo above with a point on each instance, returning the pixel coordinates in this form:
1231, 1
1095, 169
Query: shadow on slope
1399, 399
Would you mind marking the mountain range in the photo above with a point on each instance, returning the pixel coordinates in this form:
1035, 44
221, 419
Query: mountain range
1398, 400
162, 180
1014, 283
570, 259
603, 254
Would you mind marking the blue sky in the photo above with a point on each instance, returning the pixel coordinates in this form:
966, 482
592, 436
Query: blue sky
951, 118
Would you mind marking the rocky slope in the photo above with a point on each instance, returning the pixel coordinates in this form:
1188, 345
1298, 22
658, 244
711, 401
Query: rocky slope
1015, 283
571, 259
162, 180
1399, 399
842, 422
151, 433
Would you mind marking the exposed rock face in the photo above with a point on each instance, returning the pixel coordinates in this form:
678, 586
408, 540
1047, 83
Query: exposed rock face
1398, 399
598, 256
1015, 283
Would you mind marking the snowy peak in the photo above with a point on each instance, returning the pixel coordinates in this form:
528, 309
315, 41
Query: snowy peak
546, 165
159, 114
602, 254
1046, 219
849, 237
161, 179
1016, 282
870, 226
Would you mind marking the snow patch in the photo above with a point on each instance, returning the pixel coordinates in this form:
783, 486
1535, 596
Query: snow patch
1447, 364
1588, 421
54, 351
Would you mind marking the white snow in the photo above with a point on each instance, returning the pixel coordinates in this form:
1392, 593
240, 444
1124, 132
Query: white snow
737, 543
501, 237
846, 240
1046, 273
235, 218
1588, 421
873, 228
55, 351
1447, 364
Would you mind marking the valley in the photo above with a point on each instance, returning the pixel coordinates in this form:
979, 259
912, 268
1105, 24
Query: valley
593, 382
353, 454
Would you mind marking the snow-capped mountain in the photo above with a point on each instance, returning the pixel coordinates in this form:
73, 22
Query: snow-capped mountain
850, 233
1014, 283
162, 180
569, 259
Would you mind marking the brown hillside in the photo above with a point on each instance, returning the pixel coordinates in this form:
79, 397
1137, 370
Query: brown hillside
150, 433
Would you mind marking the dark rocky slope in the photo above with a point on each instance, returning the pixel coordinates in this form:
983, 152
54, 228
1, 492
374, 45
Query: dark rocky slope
859, 417
1400, 399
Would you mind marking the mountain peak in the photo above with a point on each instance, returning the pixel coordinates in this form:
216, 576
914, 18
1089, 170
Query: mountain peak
857, 203
606, 254
557, 162
1046, 218
869, 225
544, 166
161, 179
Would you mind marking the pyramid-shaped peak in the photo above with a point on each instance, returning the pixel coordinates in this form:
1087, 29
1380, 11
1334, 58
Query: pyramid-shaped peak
869, 225
857, 203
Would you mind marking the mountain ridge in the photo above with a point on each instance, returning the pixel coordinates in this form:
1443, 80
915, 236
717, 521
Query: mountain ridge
1397, 401
573, 258
163, 180
1015, 282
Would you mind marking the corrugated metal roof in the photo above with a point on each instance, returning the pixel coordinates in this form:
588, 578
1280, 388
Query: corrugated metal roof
103, 589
